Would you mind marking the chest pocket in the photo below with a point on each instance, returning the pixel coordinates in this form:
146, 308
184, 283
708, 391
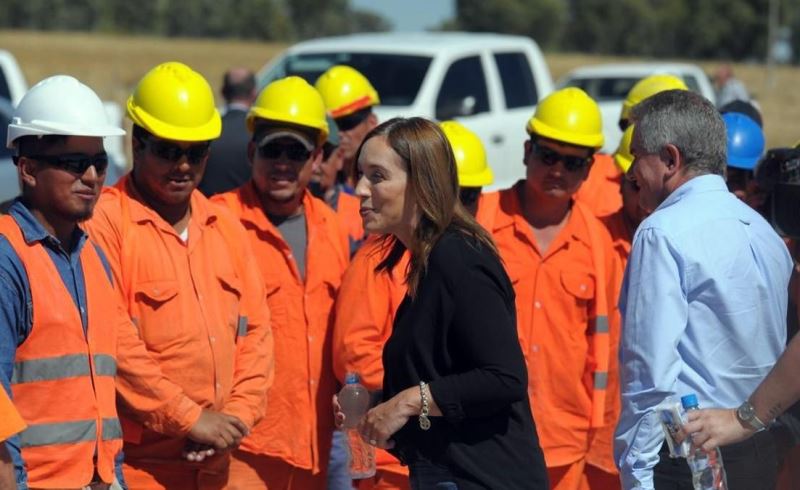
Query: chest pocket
230, 298
277, 301
579, 287
159, 312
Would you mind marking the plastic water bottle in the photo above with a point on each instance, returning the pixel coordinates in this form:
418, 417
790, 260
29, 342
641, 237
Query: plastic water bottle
354, 400
707, 470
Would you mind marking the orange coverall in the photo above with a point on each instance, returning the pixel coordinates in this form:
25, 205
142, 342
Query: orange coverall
556, 318
201, 312
600, 191
291, 446
347, 209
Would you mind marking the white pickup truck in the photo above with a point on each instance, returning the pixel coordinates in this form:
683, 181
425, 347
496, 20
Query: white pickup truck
12, 87
610, 83
489, 82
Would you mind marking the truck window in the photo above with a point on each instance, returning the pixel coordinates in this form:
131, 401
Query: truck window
519, 88
463, 91
396, 77
692, 83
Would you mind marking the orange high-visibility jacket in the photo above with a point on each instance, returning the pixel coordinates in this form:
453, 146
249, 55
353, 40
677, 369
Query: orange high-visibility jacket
298, 424
568, 336
201, 312
63, 378
12, 422
347, 209
601, 190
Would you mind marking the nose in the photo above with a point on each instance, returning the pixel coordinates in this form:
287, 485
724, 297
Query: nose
91, 175
362, 187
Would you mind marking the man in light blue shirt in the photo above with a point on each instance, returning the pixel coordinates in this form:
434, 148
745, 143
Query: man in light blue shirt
704, 297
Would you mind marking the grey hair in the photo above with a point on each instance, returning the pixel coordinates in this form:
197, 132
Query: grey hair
688, 121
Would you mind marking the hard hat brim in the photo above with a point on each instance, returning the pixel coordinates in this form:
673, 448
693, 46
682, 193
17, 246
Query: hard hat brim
590, 141
623, 163
48, 128
483, 178
206, 132
267, 115
742, 163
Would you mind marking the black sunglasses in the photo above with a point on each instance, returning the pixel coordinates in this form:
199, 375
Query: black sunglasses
173, 153
77, 163
550, 157
348, 122
295, 151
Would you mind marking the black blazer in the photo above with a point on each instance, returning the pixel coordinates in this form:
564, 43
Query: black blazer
228, 167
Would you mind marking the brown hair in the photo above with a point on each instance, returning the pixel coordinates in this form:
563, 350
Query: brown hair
433, 182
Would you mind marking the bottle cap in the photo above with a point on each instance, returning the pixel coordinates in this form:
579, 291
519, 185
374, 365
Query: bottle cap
689, 401
351, 378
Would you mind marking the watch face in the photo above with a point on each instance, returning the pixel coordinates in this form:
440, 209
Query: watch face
746, 411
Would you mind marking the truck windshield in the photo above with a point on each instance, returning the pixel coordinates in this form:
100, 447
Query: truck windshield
396, 77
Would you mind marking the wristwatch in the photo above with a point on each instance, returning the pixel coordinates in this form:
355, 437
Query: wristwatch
746, 414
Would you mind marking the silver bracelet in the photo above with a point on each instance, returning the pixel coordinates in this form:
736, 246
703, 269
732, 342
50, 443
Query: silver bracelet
424, 421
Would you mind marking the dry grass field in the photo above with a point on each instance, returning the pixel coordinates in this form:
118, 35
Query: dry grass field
113, 64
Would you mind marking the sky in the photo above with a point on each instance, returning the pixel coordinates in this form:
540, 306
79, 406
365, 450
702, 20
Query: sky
410, 15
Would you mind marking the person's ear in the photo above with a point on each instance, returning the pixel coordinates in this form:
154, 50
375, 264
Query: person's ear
251, 152
373, 120
527, 152
27, 170
672, 158
137, 147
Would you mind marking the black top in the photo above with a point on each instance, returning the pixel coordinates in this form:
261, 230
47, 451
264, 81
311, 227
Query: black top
460, 336
228, 167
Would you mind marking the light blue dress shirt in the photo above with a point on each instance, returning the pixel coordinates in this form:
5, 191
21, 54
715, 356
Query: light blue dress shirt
703, 304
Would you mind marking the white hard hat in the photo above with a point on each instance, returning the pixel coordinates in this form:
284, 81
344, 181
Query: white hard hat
60, 105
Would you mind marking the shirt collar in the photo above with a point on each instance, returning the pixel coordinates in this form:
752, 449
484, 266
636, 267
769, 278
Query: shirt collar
695, 185
202, 212
253, 213
510, 213
34, 231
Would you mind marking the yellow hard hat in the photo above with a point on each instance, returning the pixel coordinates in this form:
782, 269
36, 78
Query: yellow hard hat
647, 87
473, 170
569, 116
290, 100
174, 102
345, 90
623, 157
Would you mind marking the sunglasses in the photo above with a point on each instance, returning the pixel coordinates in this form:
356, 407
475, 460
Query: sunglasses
550, 157
350, 121
295, 152
77, 163
173, 153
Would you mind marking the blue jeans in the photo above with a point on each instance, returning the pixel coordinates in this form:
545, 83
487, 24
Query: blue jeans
424, 475
338, 466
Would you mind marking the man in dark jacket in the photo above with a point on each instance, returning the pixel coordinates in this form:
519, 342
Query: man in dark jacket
228, 167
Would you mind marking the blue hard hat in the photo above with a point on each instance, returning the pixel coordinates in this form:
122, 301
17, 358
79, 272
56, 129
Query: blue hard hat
745, 140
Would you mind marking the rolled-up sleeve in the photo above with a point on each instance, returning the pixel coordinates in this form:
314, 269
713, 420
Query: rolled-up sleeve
654, 309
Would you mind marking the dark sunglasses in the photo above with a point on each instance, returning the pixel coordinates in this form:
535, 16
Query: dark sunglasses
348, 122
295, 151
550, 157
77, 163
173, 153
